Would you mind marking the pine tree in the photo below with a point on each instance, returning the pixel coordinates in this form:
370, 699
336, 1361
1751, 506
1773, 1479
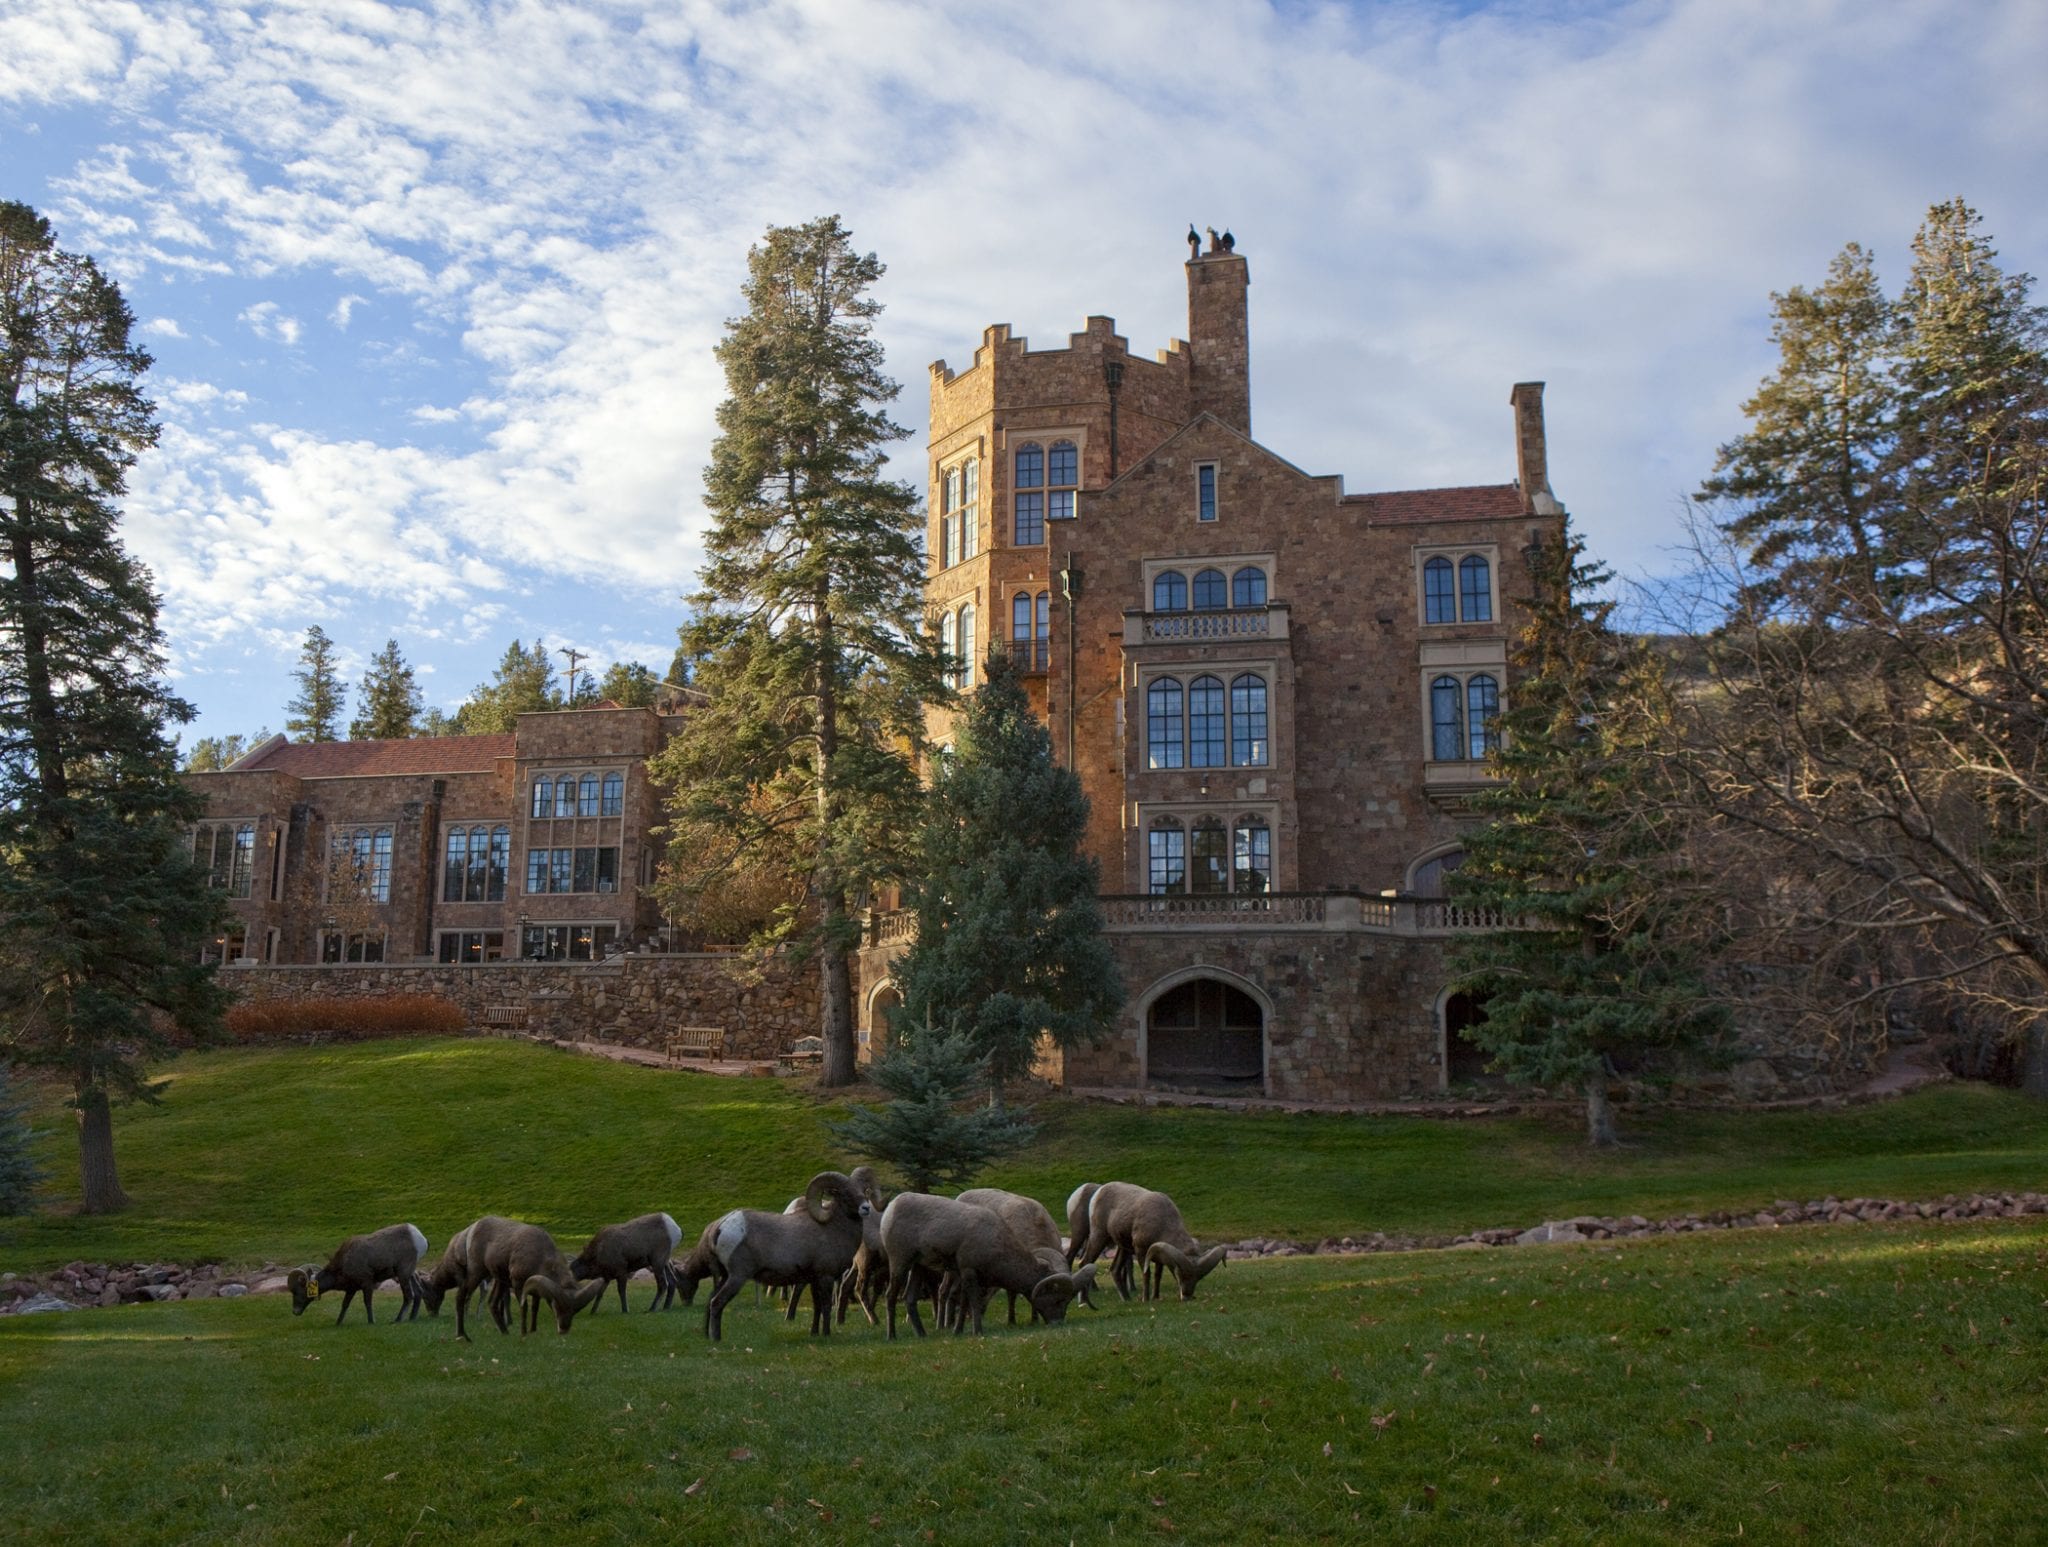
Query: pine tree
628, 684
103, 905
523, 684
1009, 944
388, 702
19, 1172
809, 633
210, 754
316, 710
927, 1133
1577, 851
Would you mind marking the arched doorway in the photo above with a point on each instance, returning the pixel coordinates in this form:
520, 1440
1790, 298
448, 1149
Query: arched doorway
1464, 1060
882, 1008
1207, 1036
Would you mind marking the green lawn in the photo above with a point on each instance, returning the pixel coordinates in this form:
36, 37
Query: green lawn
1877, 1384
275, 1155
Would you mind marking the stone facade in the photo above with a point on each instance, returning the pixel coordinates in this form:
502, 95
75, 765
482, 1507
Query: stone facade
425, 850
633, 1001
1277, 702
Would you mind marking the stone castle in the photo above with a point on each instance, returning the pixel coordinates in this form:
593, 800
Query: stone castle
1277, 695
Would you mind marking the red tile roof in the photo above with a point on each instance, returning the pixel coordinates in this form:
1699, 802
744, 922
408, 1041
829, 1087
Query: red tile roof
1474, 502
420, 755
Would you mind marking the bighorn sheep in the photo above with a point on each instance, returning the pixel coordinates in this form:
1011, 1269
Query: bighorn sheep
814, 1247
1146, 1226
1077, 1218
447, 1274
1031, 1223
617, 1252
699, 1263
517, 1259
925, 1236
360, 1264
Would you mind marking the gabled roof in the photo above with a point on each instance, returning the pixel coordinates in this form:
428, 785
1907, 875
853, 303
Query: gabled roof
354, 759
1472, 502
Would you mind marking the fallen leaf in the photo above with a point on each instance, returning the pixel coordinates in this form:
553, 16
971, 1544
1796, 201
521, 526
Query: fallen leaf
1326, 1449
741, 1454
391, 1477
1379, 1422
689, 1491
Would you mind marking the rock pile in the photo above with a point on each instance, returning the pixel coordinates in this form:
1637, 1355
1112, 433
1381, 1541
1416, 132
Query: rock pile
79, 1284
1606, 1227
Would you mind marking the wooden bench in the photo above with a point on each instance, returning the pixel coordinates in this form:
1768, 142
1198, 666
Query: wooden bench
505, 1017
706, 1042
805, 1050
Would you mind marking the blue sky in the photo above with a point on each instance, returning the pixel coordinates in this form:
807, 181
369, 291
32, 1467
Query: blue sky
433, 288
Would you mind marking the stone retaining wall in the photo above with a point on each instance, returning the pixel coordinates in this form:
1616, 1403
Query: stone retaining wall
634, 1001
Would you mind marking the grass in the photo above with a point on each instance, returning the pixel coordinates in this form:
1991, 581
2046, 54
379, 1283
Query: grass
276, 1154
1881, 1383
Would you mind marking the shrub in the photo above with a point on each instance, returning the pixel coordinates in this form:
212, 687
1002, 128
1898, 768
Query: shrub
18, 1171
345, 1018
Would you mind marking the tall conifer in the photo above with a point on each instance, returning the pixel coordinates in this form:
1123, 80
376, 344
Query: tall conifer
810, 634
388, 701
316, 709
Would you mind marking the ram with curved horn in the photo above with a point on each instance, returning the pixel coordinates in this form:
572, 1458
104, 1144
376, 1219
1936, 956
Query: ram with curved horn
925, 1237
811, 1248
1146, 1227
512, 1256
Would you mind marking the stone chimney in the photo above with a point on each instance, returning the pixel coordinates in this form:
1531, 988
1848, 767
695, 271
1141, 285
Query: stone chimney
1219, 363
1532, 458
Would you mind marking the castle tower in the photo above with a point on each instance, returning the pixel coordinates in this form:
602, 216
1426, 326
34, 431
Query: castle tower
1219, 340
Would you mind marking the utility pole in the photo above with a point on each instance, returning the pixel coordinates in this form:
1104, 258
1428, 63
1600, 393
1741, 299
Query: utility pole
569, 698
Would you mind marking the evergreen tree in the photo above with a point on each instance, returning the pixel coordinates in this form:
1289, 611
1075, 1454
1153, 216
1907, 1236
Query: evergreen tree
1577, 856
629, 685
436, 721
103, 905
19, 1172
927, 1133
210, 754
810, 630
388, 702
316, 710
1009, 941
523, 684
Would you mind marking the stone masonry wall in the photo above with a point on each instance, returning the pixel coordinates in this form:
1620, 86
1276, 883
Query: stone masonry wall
634, 1002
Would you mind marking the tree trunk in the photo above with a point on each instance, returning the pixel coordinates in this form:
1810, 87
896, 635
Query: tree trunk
98, 1180
1600, 1129
836, 1001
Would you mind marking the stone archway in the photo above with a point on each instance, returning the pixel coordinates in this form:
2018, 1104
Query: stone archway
883, 1005
1207, 1034
1464, 1060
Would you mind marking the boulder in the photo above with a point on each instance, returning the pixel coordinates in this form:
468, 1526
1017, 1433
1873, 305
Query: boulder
35, 1304
233, 1291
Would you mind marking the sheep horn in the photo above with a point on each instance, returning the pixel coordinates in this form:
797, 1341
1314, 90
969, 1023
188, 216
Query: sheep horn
585, 1294
823, 1196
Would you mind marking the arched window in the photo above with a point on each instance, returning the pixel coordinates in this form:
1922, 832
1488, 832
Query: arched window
1248, 587
1163, 724
1166, 857
1044, 628
1020, 618
967, 662
1439, 600
949, 641
1209, 857
1170, 592
1211, 594
1205, 723
1248, 721
1482, 712
1475, 595
366, 852
565, 795
1446, 719
1430, 878
970, 509
455, 869
1252, 856
614, 794
543, 797
501, 864
1062, 480
1029, 529
949, 519
476, 879
586, 795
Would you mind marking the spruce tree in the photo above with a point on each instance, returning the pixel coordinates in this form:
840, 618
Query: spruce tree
210, 754
388, 701
19, 1172
103, 905
1579, 855
629, 685
1009, 941
524, 683
809, 634
316, 710
927, 1133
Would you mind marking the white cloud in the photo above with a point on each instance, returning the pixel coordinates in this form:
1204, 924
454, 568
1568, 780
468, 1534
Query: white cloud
344, 309
267, 320
164, 327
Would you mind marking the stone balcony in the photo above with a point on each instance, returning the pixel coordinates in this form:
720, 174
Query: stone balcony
1263, 912
1208, 625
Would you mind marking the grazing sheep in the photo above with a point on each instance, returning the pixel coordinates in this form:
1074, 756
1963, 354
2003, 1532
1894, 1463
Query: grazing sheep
360, 1264
1077, 1218
814, 1247
617, 1252
698, 1264
1031, 1223
926, 1236
514, 1256
447, 1274
1146, 1226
